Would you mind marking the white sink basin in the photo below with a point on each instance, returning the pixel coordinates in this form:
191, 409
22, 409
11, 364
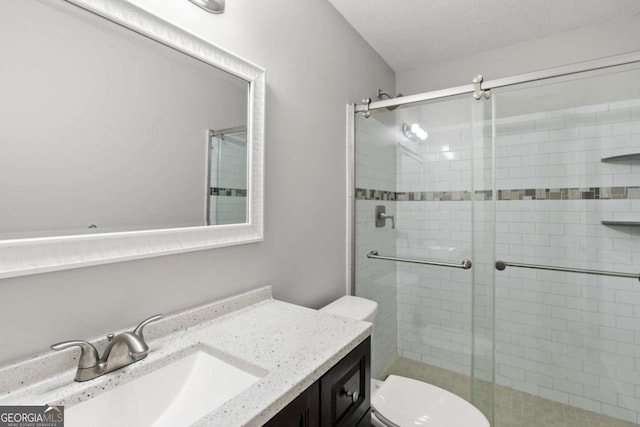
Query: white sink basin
175, 395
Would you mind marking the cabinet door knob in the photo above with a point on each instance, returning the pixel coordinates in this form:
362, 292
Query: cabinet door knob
354, 395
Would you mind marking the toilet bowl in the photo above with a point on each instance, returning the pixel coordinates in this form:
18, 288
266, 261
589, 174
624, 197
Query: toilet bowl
405, 402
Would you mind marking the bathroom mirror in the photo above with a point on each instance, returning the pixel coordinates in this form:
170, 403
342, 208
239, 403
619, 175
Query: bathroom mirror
109, 118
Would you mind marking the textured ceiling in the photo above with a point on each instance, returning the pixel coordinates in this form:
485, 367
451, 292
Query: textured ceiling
411, 33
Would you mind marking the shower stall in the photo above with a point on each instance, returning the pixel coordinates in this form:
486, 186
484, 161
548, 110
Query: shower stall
497, 225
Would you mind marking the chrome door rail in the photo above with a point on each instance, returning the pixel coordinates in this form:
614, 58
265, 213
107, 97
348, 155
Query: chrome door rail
465, 265
565, 70
501, 265
420, 97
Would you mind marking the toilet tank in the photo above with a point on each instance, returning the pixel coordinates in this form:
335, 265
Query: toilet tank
353, 307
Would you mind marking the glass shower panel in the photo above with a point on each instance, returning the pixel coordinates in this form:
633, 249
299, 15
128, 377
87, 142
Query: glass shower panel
418, 162
434, 222
375, 181
568, 344
483, 226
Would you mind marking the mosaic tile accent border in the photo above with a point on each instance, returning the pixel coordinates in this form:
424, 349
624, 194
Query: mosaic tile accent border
227, 192
362, 194
438, 196
590, 193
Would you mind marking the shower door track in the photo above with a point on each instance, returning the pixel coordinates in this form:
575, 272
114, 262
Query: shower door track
578, 67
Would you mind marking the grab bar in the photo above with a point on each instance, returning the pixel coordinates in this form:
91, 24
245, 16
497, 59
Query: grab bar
501, 265
465, 265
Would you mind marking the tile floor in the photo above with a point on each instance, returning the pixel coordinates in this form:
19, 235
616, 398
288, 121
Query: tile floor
512, 408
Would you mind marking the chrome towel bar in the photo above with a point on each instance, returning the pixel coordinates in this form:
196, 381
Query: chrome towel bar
501, 265
465, 265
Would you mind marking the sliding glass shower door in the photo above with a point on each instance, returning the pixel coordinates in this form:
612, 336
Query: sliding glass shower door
568, 196
539, 187
420, 170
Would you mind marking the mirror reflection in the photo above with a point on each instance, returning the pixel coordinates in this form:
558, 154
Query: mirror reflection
228, 176
106, 130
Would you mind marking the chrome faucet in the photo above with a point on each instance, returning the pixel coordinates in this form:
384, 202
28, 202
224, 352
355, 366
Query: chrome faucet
122, 350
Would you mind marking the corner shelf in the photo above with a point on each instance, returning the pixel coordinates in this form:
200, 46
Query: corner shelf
621, 158
625, 223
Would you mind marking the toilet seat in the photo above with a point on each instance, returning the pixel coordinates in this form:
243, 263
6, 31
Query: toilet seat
404, 402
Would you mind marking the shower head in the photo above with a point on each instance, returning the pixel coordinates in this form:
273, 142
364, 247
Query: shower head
382, 93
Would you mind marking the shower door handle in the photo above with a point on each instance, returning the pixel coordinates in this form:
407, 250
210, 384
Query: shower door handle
501, 265
465, 264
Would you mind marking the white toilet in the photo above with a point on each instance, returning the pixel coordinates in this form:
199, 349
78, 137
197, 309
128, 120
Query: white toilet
405, 402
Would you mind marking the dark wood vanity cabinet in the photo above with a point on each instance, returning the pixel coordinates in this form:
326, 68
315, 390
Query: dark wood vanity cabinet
341, 398
304, 411
345, 390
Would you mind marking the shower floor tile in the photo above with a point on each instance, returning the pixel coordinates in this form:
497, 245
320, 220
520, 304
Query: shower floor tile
513, 408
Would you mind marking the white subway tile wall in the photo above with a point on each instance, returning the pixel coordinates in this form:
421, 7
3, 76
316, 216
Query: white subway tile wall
434, 303
231, 210
232, 171
376, 280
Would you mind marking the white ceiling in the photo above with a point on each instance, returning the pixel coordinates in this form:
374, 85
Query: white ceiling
409, 34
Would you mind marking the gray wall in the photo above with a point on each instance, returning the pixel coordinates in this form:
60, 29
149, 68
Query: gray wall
315, 64
582, 44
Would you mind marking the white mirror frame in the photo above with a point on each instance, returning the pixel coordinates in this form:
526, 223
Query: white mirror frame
30, 256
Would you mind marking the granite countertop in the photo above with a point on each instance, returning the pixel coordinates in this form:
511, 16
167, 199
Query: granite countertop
288, 346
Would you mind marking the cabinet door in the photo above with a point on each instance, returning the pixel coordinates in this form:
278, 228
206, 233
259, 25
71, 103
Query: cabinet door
303, 411
345, 389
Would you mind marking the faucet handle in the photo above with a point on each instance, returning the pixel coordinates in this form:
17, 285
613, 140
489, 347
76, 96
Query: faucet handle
88, 356
138, 330
385, 216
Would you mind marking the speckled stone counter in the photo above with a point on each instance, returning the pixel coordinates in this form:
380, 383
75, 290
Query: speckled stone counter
288, 346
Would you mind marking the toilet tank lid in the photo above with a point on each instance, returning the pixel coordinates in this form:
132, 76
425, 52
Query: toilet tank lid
352, 307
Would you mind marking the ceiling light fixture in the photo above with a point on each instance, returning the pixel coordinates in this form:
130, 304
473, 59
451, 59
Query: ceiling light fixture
213, 6
414, 132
